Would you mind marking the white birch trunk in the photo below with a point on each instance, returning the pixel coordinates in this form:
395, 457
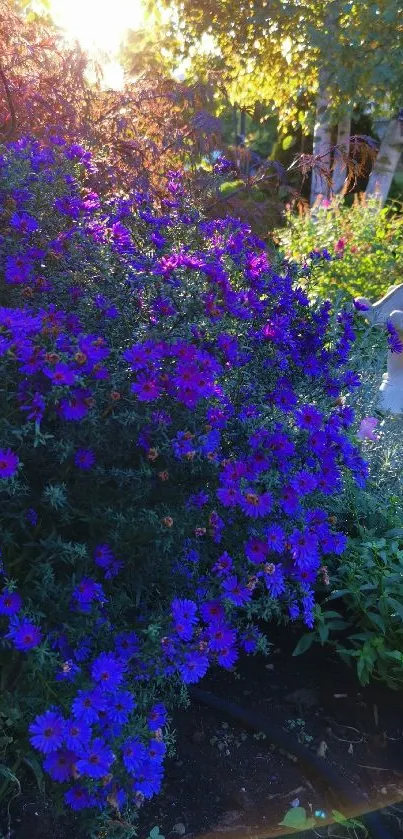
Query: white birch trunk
322, 135
339, 177
321, 143
388, 157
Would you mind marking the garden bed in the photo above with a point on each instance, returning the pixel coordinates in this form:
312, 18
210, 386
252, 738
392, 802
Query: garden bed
225, 779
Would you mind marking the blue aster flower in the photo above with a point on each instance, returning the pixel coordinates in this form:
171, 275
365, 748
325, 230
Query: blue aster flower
157, 717
47, 731
95, 759
87, 705
79, 798
108, 671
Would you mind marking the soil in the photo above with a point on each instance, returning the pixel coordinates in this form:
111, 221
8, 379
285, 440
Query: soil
228, 780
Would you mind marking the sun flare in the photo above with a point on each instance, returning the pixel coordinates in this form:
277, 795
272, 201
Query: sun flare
100, 28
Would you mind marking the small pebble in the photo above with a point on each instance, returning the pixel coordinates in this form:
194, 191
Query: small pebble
179, 829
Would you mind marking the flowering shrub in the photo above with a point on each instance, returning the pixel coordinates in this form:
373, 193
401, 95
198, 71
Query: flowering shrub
172, 433
365, 244
365, 587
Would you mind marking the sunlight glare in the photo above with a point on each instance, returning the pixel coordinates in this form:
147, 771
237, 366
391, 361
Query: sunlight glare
99, 27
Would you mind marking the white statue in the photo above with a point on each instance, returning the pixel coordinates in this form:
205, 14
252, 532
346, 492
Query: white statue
389, 308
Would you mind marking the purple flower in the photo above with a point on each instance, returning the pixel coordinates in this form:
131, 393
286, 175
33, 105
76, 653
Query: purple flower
122, 704
235, 591
95, 760
127, 644
194, 667
32, 517
10, 602
148, 779
256, 550
79, 798
61, 374
77, 733
60, 765
367, 429
105, 558
223, 565
134, 753
185, 616
75, 407
227, 657
220, 637
84, 459
8, 463
308, 606
24, 635
157, 717
309, 418
87, 705
229, 496
274, 579
249, 640
47, 732
108, 670
361, 304
304, 547
255, 505
156, 750
304, 482
24, 223
275, 538
87, 592
146, 390
212, 612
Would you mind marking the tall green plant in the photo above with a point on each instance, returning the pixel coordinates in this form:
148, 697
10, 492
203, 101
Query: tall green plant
365, 245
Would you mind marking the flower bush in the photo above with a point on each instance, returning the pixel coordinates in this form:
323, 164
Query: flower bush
172, 434
359, 610
364, 243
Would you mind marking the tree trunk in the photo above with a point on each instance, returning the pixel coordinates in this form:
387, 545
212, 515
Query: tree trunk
339, 182
235, 118
243, 124
322, 135
388, 157
321, 145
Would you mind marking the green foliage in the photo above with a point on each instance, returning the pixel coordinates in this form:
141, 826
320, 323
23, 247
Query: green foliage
364, 241
370, 582
297, 818
274, 53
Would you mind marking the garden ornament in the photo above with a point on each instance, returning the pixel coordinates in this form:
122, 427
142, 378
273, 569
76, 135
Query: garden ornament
388, 310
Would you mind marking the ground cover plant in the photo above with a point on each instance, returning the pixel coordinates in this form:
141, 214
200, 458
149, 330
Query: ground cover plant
171, 437
365, 244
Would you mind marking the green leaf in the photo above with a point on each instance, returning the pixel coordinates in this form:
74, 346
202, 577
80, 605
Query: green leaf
155, 832
323, 630
34, 764
8, 774
331, 614
377, 620
304, 643
396, 606
288, 142
296, 818
338, 817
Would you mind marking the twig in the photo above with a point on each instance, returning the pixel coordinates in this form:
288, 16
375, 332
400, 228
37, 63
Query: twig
10, 130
